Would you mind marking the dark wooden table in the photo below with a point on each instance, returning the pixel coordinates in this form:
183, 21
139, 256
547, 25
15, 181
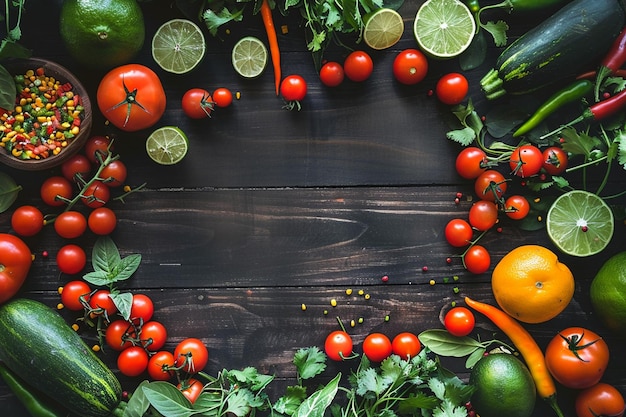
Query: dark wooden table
274, 209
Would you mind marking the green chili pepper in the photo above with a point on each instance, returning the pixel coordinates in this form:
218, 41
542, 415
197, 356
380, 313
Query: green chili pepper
34, 404
473, 5
573, 92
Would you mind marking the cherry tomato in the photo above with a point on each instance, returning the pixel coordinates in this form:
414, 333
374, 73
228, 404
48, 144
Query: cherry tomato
71, 259
483, 215
72, 293
452, 88
15, 261
191, 389
118, 334
516, 207
76, 165
70, 224
338, 345
293, 90
102, 221
471, 162
56, 191
358, 66
490, 184
222, 97
158, 364
554, 160
97, 194
132, 361
332, 74
410, 66
141, 309
27, 220
526, 161
153, 335
114, 173
193, 353
377, 347
458, 233
577, 357
131, 97
600, 400
477, 259
102, 302
459, 321
197, 103
97, 148
406, 345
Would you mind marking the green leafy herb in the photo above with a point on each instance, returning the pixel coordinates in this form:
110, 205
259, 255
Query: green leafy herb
8, 191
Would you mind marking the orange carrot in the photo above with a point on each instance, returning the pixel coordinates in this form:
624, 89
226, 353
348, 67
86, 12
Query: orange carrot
268, 22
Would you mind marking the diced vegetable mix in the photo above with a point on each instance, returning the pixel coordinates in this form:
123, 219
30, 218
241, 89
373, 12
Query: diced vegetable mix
47, 116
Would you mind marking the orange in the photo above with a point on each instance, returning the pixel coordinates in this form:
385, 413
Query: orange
530, 284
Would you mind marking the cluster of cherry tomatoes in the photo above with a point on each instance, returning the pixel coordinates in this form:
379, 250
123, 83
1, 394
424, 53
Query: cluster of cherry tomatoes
490, 186
198, 103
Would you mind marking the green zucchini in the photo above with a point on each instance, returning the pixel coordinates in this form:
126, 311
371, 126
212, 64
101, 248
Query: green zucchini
41, 348
571, 40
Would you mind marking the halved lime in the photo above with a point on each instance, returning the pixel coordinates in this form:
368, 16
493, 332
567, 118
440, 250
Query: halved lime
444, 28
178, 46
580, 223
249, 57
383, 28
167, 145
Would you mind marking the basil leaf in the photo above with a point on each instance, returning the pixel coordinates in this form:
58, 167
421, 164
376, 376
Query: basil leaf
97, 278
8, 91
475, 54
126, 267
474, 357
138, 404
168, 400
123, 302
105, 256
318, 402
443, 343
8, 191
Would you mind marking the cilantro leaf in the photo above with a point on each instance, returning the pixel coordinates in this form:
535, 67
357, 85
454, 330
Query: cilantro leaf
621, 155
309, 362
498, 31
239, 402
579, 143
289, 403
463, 136
214, 20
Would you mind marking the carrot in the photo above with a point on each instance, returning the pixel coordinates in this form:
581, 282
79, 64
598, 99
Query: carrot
528, 348
268, 22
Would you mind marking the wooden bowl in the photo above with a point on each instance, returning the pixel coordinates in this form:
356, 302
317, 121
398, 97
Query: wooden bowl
20, 66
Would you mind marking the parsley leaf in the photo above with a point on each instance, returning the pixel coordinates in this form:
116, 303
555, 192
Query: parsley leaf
309, 362
498, 31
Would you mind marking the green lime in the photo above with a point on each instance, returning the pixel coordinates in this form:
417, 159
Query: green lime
608, 293
580, 223
167, 145
249, 57
102, 33
383, 28
504, 387
178, 46
444, 28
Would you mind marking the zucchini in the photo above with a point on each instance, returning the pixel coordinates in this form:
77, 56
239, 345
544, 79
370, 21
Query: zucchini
566, 43
38, 345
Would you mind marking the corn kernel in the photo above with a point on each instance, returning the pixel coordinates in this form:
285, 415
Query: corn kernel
349, 291
333, 302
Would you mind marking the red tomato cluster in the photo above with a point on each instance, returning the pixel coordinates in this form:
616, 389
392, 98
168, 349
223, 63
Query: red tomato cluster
198, 103
376, 346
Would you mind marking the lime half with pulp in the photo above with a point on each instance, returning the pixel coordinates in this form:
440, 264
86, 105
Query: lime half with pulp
249, 57
383, 28
580, 223
178, 46
167, 145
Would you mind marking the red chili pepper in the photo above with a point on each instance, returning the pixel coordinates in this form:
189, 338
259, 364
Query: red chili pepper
613, 60
606, 108
592, 74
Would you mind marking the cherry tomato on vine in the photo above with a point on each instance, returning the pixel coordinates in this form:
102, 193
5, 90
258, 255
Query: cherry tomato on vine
526, 161
293, 90
15, 262
71, 259
452, 88
27, 220
490, 184
222, 97
191, 389
459, 321
471, 162
118, 333
410, 66
477, 259
114, 173
193, 353
77, 164
131, 97
102, 221
101, 300
55, 190
72, 293
358, 66
338, 345
153, 335
555, 160
197, 103
97, 147
577, 357
70, 224
377, 347
483, 215
332, 74
600, 400
406, 345
132, 361
141, 309
458, 233
158, 363
516, 207
97, 194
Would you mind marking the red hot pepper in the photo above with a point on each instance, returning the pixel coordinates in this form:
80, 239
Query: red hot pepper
606, 108
613, 60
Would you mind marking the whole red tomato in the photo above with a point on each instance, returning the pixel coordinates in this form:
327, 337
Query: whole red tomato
526, 161
489, 185
56, 191
600, 400
377, 347
406, 345
471, 162
72, 294
293, 89
554, 160
27, 220
358, 66
153, 335
192, 353
516, 207
102, 221
332, 74
96, 194
477, 259
71, 259
131, 97
458, 233
483, 215
410, 66
114, 173
577, 357
70, 224
459, 321
452, 88
15, 261
338, 345
78, 164
191, 389
132, 361
197, 103
222, 97
97, 148
158, 366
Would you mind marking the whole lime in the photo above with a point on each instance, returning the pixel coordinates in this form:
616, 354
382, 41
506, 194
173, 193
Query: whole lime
504, 387
102, 33
608, 293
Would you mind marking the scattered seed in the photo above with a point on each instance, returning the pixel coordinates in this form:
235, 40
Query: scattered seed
60, 306
385, 278
387, 317
303, 307
367, 296
325, 312
95, 348
431, 282
424, 268
333, 302
456, 290
75, 327
361, 292
349, 291
360, 320
352, 323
